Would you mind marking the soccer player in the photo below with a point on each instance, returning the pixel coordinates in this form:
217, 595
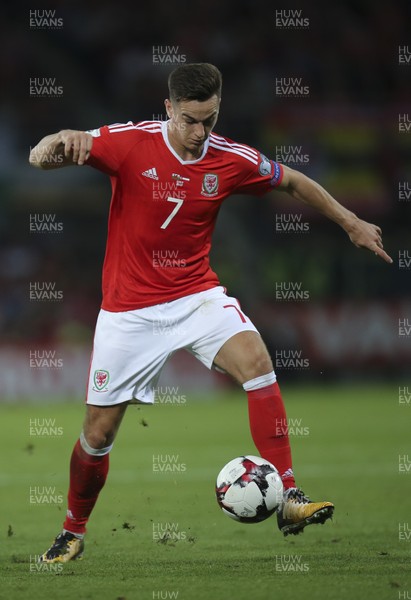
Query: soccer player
169, 180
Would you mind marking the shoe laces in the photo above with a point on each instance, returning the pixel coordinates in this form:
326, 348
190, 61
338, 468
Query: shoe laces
296, 495
62, 541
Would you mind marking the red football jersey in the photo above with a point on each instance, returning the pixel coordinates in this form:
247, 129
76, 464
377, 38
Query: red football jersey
163, 209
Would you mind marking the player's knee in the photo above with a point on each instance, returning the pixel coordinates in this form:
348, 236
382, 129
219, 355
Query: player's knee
258, 365
263, 366
98, 439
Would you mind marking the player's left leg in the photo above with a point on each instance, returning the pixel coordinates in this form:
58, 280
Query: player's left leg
245, 357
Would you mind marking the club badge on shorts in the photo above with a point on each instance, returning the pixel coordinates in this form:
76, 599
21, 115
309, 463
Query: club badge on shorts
101, 379
210, 185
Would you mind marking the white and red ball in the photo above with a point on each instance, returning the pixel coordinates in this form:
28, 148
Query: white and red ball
249, 489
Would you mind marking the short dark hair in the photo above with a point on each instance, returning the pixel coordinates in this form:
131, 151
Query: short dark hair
194, 81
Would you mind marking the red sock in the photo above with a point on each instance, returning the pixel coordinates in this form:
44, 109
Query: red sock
268, 424
87, 476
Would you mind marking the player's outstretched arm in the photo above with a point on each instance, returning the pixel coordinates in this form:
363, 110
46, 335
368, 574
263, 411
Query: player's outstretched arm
62, 149
361, 233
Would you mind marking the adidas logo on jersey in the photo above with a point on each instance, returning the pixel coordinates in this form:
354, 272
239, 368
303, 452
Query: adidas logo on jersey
151, 173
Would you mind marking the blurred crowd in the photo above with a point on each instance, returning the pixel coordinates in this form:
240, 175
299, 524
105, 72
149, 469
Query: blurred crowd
346, 56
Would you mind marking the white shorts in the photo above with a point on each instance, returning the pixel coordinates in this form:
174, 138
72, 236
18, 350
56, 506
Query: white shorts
131, 348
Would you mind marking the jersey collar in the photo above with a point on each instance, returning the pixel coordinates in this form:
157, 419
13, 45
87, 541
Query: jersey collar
164, 131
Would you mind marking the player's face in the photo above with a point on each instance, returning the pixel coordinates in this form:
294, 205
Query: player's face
191, 122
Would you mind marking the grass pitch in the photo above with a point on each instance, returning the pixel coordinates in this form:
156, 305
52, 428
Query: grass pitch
157, 531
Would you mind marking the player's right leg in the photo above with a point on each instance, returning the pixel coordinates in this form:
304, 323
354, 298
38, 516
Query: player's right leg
128, 355
88, 472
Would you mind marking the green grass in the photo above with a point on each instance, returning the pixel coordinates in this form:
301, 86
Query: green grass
349, 455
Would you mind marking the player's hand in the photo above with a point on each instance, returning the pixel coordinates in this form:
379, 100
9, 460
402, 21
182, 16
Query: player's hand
77, 145
367, 235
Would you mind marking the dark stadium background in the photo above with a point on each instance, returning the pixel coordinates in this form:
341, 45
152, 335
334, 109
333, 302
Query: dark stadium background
347, 124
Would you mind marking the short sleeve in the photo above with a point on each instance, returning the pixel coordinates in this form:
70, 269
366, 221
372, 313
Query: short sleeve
260, 176
111, 144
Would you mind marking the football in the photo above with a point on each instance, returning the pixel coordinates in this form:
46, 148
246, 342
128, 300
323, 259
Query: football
249, 489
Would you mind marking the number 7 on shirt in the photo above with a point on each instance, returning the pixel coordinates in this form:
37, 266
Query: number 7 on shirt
173, 213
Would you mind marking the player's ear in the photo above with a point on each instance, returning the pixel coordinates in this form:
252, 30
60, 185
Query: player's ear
169, 108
